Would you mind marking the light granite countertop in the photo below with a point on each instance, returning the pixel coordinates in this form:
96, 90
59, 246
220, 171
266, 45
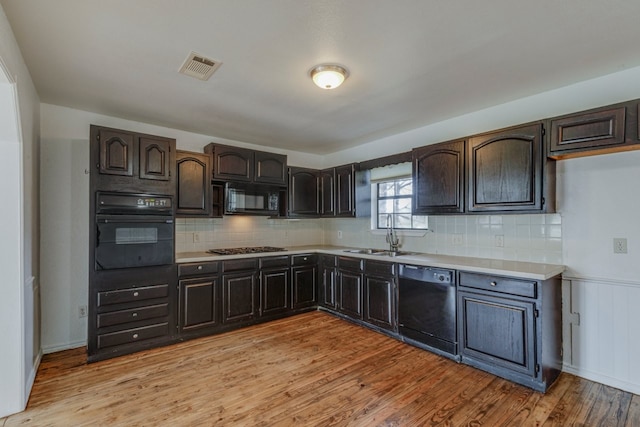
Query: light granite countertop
528, 270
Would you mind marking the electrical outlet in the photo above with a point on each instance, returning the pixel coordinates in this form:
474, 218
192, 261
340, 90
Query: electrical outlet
619, 245
457, 239
339, 234
82, 311
499, 240
196, 237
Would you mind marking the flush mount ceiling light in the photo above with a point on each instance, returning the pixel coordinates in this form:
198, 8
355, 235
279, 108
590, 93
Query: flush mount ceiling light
328, 76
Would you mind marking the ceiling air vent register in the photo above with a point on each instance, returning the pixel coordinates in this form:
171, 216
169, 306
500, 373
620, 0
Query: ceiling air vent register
199, 66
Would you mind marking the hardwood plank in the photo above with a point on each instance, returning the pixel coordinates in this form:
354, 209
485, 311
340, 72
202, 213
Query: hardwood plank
310, 369
633, 415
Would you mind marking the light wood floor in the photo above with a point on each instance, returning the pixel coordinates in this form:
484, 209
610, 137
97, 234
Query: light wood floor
311, 369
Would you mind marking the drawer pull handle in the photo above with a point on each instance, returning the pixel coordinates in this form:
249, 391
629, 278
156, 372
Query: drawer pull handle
135, 294
493, 284
135, 336
199, 267
135, 314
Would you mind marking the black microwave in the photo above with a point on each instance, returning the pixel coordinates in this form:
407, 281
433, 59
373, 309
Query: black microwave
251, 199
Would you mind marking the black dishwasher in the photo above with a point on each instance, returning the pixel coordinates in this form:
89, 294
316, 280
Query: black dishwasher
427, 308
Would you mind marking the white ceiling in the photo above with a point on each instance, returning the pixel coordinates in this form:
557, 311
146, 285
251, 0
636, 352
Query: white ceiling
412, 62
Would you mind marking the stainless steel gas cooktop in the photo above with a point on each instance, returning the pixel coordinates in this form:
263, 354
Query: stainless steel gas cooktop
249, 250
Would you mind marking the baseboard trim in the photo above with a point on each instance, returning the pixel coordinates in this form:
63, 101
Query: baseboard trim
48, 349
602, 379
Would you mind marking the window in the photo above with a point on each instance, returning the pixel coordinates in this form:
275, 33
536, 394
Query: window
393, 199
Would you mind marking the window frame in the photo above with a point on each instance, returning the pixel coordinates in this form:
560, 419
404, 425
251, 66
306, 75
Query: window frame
377, 228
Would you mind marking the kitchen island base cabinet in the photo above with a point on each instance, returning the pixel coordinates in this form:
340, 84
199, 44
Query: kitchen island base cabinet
511, 327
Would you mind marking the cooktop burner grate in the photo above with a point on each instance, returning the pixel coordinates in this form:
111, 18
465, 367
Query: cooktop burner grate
249, 250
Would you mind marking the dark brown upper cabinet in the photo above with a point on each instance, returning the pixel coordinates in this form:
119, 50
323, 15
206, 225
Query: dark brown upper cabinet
579, 133
241, 164
352, 191
270, 168
506, 171
117, 151
328, 192
304, 194
132, 162
438, 178
193, 184
155, 155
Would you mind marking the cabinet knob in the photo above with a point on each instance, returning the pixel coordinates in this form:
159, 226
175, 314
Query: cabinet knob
135, 336
493, 284
135, 315
199, 267
304, 259
135, 294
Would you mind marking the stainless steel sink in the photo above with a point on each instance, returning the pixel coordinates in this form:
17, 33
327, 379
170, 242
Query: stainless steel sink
394, 253
381, 252
365, 251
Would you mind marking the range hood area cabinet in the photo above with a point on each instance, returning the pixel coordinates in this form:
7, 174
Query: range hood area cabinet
499, 172
343, 191
244, 165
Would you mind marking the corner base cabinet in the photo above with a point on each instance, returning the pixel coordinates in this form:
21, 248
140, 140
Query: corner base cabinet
511, 327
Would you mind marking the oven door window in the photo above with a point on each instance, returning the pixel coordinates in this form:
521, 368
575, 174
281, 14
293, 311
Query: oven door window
136, 235
121, 244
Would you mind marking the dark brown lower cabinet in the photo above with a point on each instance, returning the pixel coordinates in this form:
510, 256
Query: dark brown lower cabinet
379, 295
328, 281
239, 297
350, 285
304, 277
199, 303
275, 291
511, 327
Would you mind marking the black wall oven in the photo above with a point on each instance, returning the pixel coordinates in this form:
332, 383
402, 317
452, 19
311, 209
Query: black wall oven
133, 230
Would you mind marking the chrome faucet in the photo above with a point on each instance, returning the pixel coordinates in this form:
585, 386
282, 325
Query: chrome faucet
392, 238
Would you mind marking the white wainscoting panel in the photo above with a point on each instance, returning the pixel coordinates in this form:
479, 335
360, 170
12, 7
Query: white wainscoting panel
602, 318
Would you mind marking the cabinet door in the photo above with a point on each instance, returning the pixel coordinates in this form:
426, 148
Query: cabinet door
303, 192
328, 192
270, 168
155, 155
587, 131
232, 163
505, 170
305, 286
438, 178
116, 152
193, 182
379, 302
275, 292
328, 285
345, 189
199, 303
350, 293
498, 331
239, 297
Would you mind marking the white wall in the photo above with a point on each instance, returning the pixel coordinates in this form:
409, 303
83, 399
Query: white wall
19, 246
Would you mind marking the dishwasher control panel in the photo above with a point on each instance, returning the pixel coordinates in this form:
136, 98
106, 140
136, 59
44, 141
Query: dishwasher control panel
426, 274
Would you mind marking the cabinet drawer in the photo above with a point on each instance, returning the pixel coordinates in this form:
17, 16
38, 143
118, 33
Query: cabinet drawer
354, 264
304, 259
329, 261
240, 264
506, 285
380, 269
274, 262
198, 268
132, 315
133, 335
132, 294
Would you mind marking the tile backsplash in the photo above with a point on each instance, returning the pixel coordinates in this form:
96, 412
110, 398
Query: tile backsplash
534, 238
